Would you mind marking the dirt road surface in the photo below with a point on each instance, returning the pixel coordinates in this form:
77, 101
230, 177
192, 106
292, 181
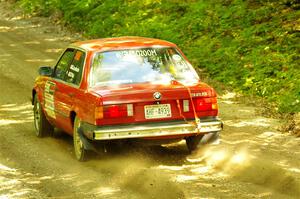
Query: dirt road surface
253, 160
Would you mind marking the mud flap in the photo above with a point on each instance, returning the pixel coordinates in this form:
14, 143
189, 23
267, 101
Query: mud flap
88, 145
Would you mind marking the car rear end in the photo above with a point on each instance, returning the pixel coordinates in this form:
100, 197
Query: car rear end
135, 111
149, 93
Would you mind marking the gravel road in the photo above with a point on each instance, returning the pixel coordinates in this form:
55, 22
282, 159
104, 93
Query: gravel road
253, 160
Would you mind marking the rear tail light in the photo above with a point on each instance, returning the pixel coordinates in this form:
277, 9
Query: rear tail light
115, 111
205, 104
99, 112
214, 106
201, 105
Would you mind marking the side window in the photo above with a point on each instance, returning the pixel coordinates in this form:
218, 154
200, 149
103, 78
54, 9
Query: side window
74, 72
63, 64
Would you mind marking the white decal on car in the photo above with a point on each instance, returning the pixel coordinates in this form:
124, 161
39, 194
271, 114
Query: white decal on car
176, 57
71, 74
141, 53
49, 98
74, 68
201, 94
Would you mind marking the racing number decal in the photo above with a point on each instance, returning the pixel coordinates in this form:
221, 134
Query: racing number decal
49, 98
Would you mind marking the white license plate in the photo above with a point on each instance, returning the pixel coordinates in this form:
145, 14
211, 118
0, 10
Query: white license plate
157, 111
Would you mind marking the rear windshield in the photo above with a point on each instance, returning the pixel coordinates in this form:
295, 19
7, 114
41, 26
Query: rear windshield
155, 65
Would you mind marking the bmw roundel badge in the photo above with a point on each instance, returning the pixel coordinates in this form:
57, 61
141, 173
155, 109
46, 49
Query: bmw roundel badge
157, 95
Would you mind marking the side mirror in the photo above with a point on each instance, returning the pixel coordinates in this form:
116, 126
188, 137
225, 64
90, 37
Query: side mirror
45, 71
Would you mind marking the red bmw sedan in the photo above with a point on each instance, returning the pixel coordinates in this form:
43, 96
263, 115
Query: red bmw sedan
124, 88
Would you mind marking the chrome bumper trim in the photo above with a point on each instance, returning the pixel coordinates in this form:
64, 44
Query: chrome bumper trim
144, 131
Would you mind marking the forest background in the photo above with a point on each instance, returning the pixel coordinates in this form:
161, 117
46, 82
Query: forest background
251, 46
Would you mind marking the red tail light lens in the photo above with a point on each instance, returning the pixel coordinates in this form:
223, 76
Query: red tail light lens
205, 104
114, 111
202, 106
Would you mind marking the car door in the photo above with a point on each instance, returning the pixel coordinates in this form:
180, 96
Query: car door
53, 89
68, 92
67, 86
52, 84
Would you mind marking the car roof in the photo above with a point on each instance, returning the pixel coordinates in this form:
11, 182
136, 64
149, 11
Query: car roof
116, 43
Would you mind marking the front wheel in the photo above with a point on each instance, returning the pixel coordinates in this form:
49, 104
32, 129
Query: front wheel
42, 126
80, 152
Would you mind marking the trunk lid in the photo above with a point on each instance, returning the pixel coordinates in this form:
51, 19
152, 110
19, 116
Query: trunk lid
134, 93
145, 107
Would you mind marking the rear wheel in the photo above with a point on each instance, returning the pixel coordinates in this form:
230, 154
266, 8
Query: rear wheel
42, 126
80, 152
193, 142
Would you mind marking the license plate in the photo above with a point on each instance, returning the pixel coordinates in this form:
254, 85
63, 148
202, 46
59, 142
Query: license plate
157, 111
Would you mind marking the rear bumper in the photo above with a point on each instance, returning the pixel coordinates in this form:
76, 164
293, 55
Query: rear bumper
151, 130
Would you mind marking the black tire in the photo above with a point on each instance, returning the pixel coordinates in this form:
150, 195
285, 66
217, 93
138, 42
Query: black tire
79, 150
42, 126
193, 142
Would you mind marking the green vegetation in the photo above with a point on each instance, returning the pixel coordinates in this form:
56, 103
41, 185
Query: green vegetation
252, 46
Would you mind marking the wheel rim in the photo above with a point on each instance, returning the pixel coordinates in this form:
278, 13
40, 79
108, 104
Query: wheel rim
37, 117
78, 145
